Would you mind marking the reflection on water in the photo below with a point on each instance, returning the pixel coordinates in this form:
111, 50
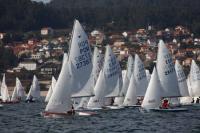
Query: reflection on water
25, 118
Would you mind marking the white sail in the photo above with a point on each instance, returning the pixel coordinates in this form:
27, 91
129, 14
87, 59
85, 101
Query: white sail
148, 75
107, 80
98, 99
131, 95
140, 77
113, 74
126, 80
88, 89
50, 91
119, 100
189, 86
181, 79
195, 79
166, 72
153, 94
20, 89
34, 91
74, 73
65, 58
14, 95
4, 90
83, 103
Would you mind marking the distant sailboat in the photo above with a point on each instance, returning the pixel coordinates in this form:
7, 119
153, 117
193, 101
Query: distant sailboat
194, 79
73, 76
4, 91
109, 82
182, 84
138, 83
20, 89
34, 92
126, 79
18, 92
50, 91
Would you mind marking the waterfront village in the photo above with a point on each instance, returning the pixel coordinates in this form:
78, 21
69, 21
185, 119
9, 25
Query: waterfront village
43, 55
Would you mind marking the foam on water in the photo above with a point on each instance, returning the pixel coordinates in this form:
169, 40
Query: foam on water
25, 118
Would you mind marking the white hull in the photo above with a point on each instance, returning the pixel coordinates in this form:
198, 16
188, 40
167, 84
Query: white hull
115, 107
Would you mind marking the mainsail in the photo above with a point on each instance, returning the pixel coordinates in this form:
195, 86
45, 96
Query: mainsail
194, 79
166, 72
50, 91
34, 91
181, 79
153, 94
4, 90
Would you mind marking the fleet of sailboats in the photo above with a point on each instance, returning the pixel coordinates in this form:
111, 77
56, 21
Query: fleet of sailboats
89, 82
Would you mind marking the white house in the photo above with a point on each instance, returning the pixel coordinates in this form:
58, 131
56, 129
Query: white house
46, 31
28, 65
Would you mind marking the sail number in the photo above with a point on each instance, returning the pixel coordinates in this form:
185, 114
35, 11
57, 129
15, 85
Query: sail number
169, 63
85, 57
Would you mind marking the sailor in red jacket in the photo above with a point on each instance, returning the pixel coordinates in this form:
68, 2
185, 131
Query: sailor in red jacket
165, 104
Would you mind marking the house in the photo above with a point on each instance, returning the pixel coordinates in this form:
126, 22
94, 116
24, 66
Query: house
50, 67
46, 31
36, 56
28, 65
2, 35
187, 62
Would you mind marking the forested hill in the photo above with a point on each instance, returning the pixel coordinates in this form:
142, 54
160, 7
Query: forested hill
25, 15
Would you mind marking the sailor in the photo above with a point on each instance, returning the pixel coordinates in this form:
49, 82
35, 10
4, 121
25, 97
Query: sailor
138, 102
165, 104
72, 111
197, 101
192, 100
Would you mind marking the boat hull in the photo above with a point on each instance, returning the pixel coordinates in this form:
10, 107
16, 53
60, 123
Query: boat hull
169, 110
62, 115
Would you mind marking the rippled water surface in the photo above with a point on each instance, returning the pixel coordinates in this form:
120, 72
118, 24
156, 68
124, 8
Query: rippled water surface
25, 118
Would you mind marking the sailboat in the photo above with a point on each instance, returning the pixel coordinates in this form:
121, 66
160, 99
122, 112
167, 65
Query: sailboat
109, 82
183, 88
97, 63
4, 91
138, 84
74, 74
153, 94
126, 74
52, 86
34, 92
18, 92
194, 80
167, 76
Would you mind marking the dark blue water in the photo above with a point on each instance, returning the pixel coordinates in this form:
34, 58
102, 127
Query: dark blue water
25, 118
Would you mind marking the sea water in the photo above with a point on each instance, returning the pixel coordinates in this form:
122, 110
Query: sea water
26, 118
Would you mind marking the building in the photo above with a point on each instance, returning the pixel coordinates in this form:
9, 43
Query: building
2, 35
36, 56
46, 31
28, 65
